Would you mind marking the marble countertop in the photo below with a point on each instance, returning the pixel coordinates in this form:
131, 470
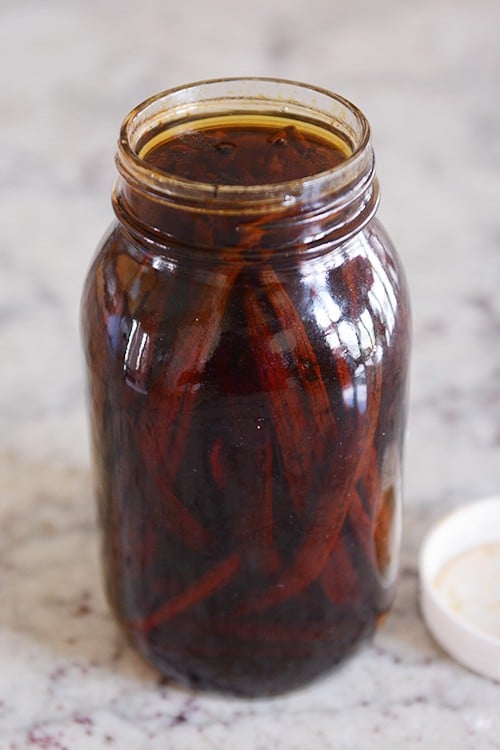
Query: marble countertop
427, 75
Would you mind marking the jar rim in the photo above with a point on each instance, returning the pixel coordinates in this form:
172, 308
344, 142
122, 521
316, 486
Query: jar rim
182, 101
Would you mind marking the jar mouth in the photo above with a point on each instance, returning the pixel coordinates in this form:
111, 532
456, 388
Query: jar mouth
253, 95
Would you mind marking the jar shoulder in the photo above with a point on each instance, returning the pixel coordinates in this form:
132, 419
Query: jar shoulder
113, 274
379, 238
383, 250
111, 243
108, 293
360, 281
357, 291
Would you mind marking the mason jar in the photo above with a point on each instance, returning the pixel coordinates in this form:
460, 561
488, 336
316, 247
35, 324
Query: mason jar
246, 329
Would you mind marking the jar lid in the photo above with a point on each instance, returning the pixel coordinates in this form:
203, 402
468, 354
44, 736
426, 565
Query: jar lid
460, 585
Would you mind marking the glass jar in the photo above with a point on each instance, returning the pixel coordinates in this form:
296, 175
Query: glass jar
247, 349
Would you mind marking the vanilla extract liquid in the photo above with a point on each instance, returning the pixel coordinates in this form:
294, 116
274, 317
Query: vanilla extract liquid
246, 328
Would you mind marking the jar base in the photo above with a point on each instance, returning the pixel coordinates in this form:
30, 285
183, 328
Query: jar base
244, 670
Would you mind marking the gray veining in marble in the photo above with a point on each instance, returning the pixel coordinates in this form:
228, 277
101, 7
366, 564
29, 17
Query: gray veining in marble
427, 75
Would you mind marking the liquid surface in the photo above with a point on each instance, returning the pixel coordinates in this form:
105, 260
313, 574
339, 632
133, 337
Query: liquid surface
245, 152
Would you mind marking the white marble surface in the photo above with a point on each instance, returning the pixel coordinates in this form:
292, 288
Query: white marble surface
428, 76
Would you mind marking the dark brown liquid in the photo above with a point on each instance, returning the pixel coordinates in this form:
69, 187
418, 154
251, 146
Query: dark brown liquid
246, 154
248, 421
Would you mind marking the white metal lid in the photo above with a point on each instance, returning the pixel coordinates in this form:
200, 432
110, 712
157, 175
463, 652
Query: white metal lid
460, 585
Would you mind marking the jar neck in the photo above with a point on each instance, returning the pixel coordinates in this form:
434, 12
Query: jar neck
304, 214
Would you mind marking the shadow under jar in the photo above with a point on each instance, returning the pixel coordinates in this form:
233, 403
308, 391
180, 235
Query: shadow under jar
246, 330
